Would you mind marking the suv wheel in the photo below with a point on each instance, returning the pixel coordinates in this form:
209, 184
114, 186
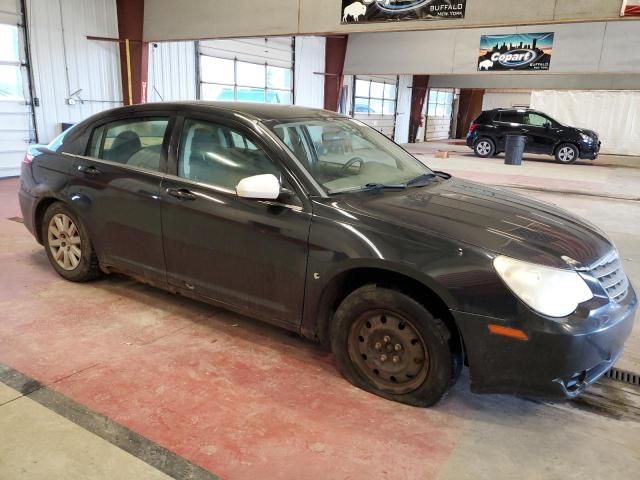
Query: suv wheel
567, 153
385, 342
484, 147
67, 245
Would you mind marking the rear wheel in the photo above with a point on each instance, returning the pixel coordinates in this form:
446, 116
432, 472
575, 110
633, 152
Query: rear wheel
567, 153
484, 147
67, 245
387, 343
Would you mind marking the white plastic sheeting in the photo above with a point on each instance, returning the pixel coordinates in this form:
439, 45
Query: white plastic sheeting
172, 72
615, 115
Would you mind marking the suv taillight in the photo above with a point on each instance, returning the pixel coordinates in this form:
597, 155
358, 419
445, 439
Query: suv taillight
472, 127
27, 159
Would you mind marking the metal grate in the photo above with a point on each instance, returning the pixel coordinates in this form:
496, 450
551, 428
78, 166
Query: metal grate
611, 276
624, 376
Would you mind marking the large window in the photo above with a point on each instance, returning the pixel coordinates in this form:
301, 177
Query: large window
11, 87
374, 97
225, 79
220, 156
137, 143
440, 103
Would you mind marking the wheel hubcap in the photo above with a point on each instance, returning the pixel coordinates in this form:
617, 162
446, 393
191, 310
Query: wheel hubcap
389, 351
64, 241
566, 154
483, 148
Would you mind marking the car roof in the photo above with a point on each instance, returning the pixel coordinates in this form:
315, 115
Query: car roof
515, 110
259, 111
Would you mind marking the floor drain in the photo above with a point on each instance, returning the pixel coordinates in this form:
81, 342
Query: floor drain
624, 376
16, 219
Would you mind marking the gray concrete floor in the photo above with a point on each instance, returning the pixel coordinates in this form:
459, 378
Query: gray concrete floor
605, 191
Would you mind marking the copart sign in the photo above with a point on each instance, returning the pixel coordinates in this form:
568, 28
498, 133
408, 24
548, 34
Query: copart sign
397, 10
527, 51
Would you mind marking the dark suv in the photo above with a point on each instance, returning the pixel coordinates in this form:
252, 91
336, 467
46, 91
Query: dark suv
545, 135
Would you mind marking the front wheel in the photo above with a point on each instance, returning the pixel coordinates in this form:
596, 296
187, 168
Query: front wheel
68, 245
387, 343
484, 148
567, 153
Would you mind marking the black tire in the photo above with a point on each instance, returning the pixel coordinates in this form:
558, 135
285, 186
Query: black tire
364, 368
567, 153
484, 147
87, 267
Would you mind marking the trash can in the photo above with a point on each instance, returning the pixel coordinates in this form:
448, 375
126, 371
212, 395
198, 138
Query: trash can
514, 149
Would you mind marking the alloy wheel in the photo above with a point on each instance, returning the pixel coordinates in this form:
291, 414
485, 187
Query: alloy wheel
483, 148
388, 351
566, 154
64, 241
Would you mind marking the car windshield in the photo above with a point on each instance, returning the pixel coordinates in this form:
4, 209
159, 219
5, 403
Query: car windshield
346, 155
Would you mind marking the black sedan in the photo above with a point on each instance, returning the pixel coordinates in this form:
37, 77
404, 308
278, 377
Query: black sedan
321, 225
544, 135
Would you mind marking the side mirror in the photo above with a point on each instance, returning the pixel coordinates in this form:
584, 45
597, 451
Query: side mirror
259, 187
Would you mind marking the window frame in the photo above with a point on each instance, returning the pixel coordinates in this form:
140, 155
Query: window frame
164, 150
236, 85
369, 97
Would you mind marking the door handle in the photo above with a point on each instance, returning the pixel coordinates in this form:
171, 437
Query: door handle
89, 169
181, 193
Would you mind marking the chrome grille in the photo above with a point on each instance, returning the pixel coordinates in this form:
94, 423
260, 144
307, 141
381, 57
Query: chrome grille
611, 276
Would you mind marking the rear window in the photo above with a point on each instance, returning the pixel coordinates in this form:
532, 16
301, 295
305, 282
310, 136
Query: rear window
510, 117
484, 118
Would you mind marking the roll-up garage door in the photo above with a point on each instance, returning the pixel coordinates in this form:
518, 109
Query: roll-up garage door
249, 69
16, 116
374, 102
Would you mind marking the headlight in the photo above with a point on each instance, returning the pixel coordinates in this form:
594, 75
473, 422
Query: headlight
586, 138
549, 291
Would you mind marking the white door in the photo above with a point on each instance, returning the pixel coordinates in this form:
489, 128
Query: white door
16, 116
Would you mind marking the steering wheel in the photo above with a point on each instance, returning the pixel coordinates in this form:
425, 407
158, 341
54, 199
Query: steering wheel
345, 168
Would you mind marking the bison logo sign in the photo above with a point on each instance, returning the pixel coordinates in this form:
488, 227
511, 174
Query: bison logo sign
397, 10
528, 51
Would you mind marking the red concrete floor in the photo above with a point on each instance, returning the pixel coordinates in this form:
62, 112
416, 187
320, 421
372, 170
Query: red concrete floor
237, 397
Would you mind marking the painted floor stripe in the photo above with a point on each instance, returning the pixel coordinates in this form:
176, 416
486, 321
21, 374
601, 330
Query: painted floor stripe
140, 447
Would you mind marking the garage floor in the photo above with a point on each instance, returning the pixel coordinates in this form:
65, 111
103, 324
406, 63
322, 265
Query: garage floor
114, 379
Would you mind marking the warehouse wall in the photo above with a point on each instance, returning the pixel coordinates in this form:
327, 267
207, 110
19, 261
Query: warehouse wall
506, 99
191, 19
403, 109
172, 72
309, 66
73, 77
601, 48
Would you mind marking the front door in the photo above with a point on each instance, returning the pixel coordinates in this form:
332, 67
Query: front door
541, 133
249, 254
509, 122
116, 188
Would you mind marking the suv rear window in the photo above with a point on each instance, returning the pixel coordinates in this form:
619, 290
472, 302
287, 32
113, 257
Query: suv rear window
484, 118
510, 117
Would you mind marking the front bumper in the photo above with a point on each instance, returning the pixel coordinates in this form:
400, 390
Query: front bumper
590, 151
559, 360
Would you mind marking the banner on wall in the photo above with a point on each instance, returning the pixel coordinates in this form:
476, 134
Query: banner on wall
516, 51
630, 8
398, 10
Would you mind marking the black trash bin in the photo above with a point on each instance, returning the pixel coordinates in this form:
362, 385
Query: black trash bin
514, 149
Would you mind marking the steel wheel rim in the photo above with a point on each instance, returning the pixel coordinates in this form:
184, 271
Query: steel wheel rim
64, 242
389, 351
566, 154
484, 148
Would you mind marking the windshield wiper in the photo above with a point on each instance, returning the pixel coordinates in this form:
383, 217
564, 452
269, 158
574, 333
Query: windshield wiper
385, 186
421, 179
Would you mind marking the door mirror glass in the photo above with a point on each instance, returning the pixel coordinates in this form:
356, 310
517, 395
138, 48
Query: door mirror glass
259, 187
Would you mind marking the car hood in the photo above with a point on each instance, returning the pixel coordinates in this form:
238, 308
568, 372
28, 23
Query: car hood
586, 131
489, 218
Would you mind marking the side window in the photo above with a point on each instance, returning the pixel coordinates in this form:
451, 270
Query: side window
220, 156
535, 120
137, 143
511, 117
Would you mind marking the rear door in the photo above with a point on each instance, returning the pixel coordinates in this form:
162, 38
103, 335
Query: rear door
249, 254
116, 186
508, 122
